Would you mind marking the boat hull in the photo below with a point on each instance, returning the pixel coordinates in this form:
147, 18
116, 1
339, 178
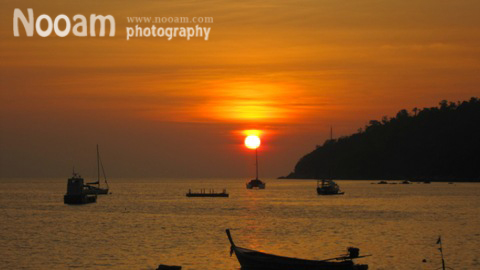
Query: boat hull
255, 260
79, 199
255, 184
96, 191
320, 191
258, 260
207, 195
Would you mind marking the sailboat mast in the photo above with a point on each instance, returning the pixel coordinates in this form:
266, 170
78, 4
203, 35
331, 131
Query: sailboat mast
98, 167
256, 163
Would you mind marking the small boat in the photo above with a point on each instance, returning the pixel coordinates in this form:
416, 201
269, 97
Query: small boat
252, 259
94, 187
76, 192
382, 182
256, 184
328, 187
406, 182
211, 193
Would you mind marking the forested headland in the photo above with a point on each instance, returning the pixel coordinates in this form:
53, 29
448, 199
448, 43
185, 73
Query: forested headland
437, 144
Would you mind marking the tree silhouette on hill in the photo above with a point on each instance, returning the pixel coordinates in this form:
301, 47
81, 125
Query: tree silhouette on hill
438, 143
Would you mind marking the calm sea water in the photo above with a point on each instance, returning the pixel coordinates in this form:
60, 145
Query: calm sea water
146, 222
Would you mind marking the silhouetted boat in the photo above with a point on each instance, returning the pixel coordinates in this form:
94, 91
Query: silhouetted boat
328, 187
256, 184
252, 259
211, 193
382, 182
94, 187
76, 192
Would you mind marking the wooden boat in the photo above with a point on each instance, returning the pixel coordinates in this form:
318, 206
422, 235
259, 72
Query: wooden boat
211, 193
76, 193
94, 187
255, 260
328, 187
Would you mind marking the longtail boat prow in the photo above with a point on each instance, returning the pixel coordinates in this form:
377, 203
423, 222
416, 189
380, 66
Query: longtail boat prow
256, 260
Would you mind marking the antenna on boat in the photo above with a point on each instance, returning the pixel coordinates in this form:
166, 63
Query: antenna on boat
331, 133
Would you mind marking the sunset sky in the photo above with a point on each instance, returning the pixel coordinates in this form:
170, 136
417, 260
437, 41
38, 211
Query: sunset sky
178, 108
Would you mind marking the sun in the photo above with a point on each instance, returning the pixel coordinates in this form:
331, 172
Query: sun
252, 141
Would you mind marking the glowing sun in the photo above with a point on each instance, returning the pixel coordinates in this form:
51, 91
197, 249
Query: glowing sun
252, 141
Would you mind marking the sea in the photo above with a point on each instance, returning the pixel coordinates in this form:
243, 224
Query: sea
147, 222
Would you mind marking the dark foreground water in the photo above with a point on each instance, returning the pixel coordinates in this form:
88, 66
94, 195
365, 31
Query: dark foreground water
146, 222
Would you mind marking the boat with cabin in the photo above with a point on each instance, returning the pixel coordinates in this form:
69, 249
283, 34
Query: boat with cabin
328, 187
77, 191
256, 260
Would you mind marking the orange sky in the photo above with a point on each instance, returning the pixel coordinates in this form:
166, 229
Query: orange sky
175, 108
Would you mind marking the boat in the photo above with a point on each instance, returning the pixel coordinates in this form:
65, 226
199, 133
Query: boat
211, 193
256, 260
256, 184
94, 187
382, 182
328, 187
406, 182
76, 191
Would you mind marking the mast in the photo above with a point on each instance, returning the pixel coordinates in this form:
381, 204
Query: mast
256, 164
98, 167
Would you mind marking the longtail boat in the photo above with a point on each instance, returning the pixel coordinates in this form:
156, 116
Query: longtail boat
252, 259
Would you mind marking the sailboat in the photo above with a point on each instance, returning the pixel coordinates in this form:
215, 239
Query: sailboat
256, 183
328, 186
94, 187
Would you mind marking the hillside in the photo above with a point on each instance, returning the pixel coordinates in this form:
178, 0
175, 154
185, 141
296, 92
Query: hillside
439, 143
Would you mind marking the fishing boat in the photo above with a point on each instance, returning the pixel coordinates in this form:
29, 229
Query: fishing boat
328, 187
256, 260
211, 193
94, 187
76, 191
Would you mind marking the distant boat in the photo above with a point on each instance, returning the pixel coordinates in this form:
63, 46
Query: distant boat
406, 182
382, 182
94, 187
256, 184
76, 191
328, 187
211, 193
252, 259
